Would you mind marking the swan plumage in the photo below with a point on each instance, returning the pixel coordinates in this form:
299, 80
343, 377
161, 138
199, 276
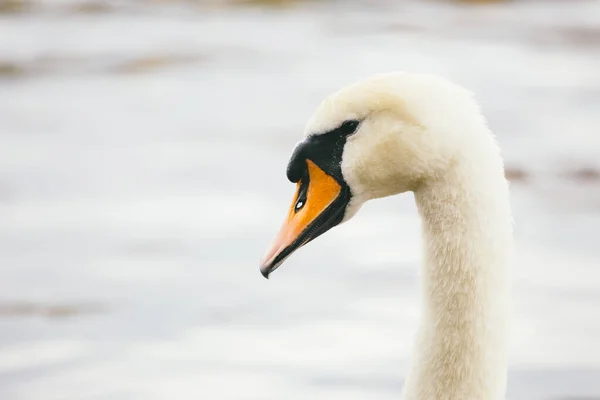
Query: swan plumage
398, 132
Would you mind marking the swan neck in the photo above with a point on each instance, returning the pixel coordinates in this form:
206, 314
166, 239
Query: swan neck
462, 341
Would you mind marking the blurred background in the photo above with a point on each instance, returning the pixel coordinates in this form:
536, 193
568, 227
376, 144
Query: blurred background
143, 147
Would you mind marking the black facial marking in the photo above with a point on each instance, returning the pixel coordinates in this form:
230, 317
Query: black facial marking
324, 149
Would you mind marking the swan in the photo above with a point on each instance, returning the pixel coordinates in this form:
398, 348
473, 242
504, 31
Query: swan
398, 132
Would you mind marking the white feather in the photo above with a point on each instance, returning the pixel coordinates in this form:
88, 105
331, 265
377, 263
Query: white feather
424, 134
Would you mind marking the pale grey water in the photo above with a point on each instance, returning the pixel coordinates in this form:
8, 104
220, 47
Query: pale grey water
149, 194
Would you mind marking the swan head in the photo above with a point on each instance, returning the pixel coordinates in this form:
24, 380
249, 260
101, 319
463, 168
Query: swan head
378, 137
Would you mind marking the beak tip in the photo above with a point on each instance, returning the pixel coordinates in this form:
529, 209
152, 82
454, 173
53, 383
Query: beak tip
265, 271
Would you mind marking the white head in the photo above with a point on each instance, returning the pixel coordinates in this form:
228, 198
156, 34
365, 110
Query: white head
384, 135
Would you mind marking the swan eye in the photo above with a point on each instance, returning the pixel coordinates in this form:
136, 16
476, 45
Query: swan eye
348, 127
299, 205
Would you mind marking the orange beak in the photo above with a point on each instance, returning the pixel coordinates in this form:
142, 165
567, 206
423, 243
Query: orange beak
318, 206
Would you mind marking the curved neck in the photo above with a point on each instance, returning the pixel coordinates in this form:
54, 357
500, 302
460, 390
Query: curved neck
462, 342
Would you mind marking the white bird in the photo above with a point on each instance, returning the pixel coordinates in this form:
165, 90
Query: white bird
399, 132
